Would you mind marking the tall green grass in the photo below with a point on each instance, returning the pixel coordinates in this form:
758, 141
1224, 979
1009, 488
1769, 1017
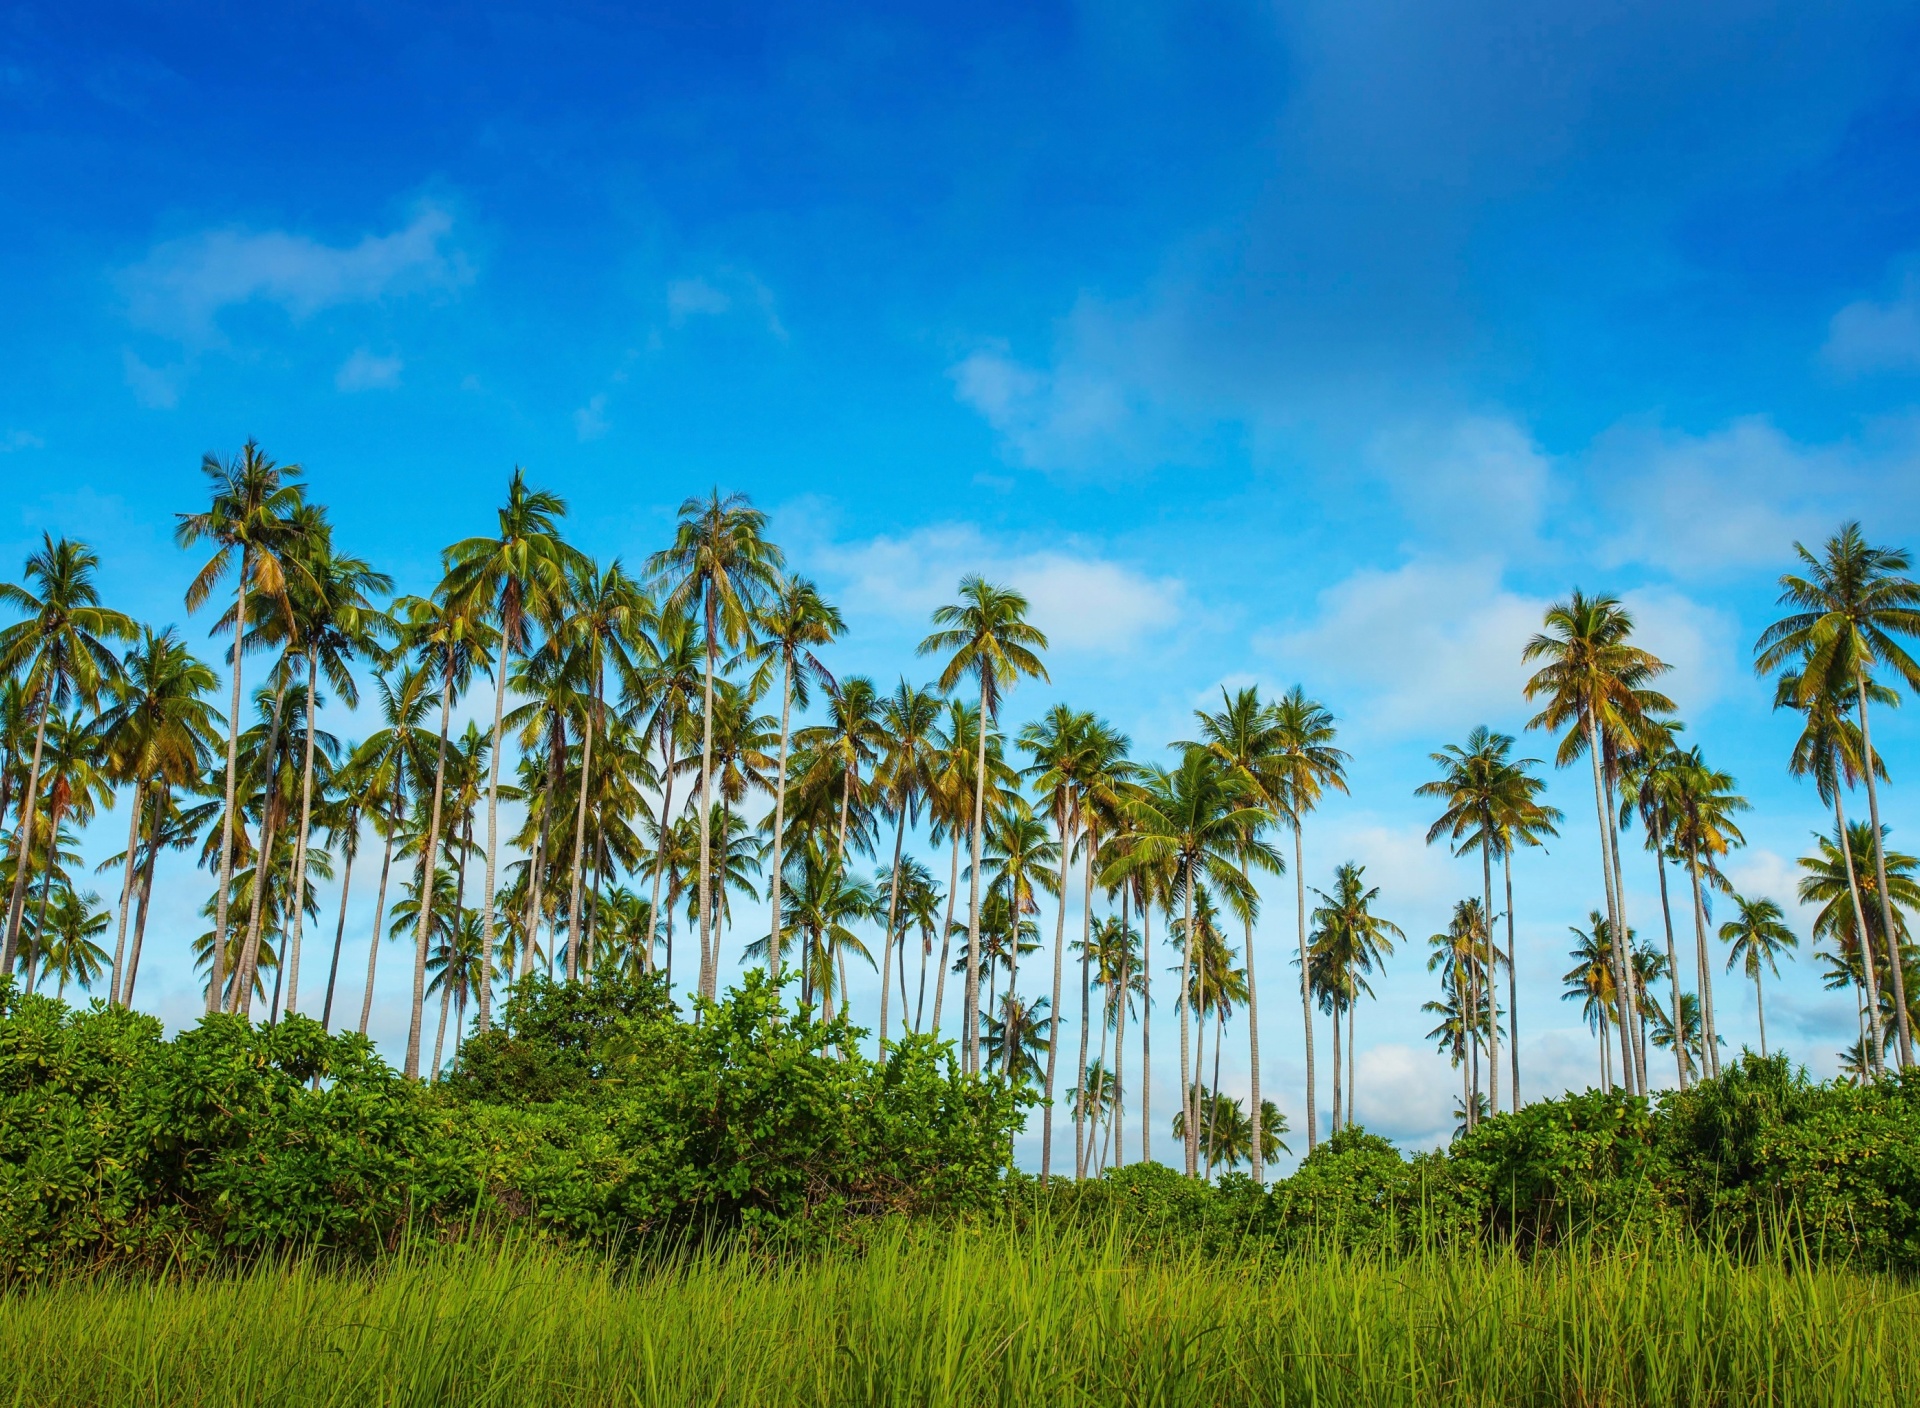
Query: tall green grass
971, 1316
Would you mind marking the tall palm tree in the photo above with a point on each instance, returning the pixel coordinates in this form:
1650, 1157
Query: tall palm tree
395, 758
334, 620
659, 697
1757, 934
984, 635
721, 560
1651, 788
792, 625
60, 652
1851, 606
1704, 804
1349, 941
452, 641
1854, 929
1832, 752
1520, 819
515, 571
78, 786
1596, 684
1247, 736
909, 719
249, 520
1460, 955
1196, 820
1019, 857
1310, 766
160, 729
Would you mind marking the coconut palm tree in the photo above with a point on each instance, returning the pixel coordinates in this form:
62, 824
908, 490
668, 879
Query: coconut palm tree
159, 730
61, 654
721, 561
1827, 880
517, 573
250, 520
1851, 607
1247, 737
658, 699
1017, 1036
1704, 804
1304, 733
984, 635
1349, 941
1596, 684
1592, 982
1650, 789
452, 641
1687, 1044
1757, 934
66, 936
78, 784
1020, 858
904, 780
1520, 819
394, 759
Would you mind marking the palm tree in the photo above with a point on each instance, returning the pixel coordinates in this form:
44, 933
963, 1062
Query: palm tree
1827, 879
1196, 821
1651, 787
1017, 1036
1310, 764
333, 620
1688, 1044
1247, 737
1472, 785
1349, 941
61, 654
516, 571
1591, 982
984, 635
659, 697
1019, 856
1520, 819
160, 729
1851, 606
65, 936
904, 779
453, 642
1596, 684
1758, 934
394, 759
720, 558
250, 517
1704, 802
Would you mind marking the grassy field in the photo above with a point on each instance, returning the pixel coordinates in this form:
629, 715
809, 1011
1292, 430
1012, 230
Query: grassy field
948, 1317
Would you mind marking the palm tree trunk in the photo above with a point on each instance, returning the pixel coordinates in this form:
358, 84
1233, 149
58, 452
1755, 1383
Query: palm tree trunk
1253, 1046
340, 929
1146, 1030
780, 826
1493, 1007
1470, 986
1760, 1010
1339, 1087
542, 844
483, 1016
1626, 940
220, 895
263, 862
972, 1000
920, 1001
140, 916
126, 894
1673, 965
1621, 983
1709, 1038
1896, 961
1213, 1096
440, 1038
292, 965
1513, 983
706, 808
46, 893
1186, 1061
1873, 1037
429, 866
1119, 1118
379, 914
1086, 956
580, 835
660, 855
1306, 989
1353, 1025
886, 950
946, 941
23, 849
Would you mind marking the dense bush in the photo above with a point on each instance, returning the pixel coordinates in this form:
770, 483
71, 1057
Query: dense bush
596, 1113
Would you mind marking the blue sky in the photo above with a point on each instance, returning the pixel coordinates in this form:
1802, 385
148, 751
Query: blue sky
1303, 342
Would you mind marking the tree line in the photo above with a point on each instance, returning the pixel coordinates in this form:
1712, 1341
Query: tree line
663, 769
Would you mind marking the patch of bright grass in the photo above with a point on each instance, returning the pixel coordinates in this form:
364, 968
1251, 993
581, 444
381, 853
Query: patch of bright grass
974, 1316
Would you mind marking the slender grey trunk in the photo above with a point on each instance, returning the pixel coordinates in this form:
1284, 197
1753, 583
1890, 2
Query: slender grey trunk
220, 895
1709, 1038
706, 809
1760, 1010
140, 917
126, 896
1306, 989
972, 1000
340, 929
946, 943
1622, 983
1119, 1125
1086, 956
1896, 961
1339, 1083
1673, 967
263, 862
292, 965
483, 1013
780, 827
428, 868
660, 855
440, 1038
1493, 1007
580, 834
886, 953
23, 849
1253, 1047
379, 914
1186, 1055
1513, 983
1875, 1041
1633, 981
1146, 1031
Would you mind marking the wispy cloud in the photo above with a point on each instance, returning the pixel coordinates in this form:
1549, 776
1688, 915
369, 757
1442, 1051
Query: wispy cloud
20, 440
590, 421
724, 291
1869, 336
369, 371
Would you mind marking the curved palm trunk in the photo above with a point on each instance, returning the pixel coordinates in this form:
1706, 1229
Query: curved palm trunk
483, 1009
126, 895
1638, 1016
1119, 1118
1896, 961
1213, 1096
1513, 984
1187, 1102
429, 864
379, 914
263, 862
1760, 1010
292, 965
536, 899
947, 934
1673, 968
706, 812
920, 1000
140, 917
1493, 1007
1146, 1032
221, 894
1059, 957
1306, 990
1253, 1045
780, 827
660, 853
339, 931
1709, 1038
886, 950
1471, 986
23, 849
440, 1038
580, 836
1617, 955
972, 1001
1873, 1035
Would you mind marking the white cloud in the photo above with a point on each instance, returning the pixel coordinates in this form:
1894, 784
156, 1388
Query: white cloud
182, 286
1405, 1093
157, 388
368, 371
1429, 646
1698, 641
20, 440
725, 291
1083, 602
1472, 478
1866, 336
590, 421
